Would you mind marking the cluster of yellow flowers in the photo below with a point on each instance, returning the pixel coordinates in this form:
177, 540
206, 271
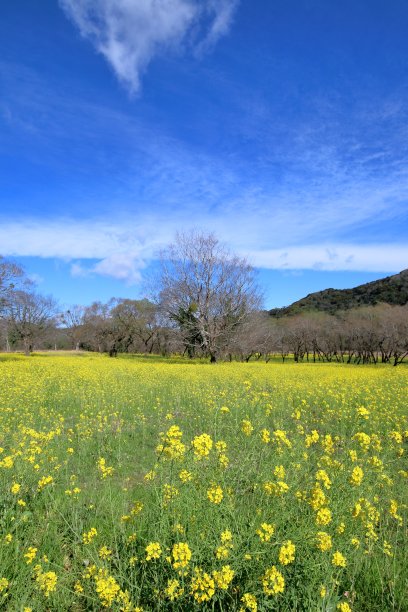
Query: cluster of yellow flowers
44, 481
223, 551
171, 445
104, 469
265, 532
89, 536
226, 482
215, 494
202, 586
273, 582
181, 555
287, 553
323, 541
47, 581
202, 446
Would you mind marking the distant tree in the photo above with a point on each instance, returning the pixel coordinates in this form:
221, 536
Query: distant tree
169, 341
254, 338
29, 316
136, 324
73, 321
395, 334
12, 278
206, 291
97, 327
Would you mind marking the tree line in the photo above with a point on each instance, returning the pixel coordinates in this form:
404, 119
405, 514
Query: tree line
205, 302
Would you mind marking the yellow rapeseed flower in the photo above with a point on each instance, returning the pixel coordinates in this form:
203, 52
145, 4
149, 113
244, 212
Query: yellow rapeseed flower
44, 481
265, 532
173, 590
181, 554
202, 586
104, 552
89, 536
343, 607
323, 516
30, 554
215, 494
338, 559
246, 427
323, 541
223, 577
273, 582
202, 446
287, 553
47, 582
153, 551
249, 603
356, 476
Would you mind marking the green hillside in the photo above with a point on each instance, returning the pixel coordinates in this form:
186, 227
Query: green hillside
389, 290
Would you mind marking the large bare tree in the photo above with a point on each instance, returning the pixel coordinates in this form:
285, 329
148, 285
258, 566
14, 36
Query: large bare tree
207, 291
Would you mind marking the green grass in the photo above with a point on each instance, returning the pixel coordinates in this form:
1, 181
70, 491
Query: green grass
116, 409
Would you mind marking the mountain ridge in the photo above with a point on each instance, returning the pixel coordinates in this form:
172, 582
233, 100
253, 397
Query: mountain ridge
391, 290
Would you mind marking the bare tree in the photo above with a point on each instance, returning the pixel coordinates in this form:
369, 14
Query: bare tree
73, 321
97, 327
395, 326
206, 291
12, 278
136, 323
29, 316
253, 338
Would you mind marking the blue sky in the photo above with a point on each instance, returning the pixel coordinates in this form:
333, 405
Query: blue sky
282, 126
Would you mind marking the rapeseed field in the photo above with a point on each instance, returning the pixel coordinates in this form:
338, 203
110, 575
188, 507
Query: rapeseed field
139, 484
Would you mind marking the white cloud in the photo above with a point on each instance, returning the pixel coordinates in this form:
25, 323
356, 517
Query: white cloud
35, 278
89, 239
122, 252
78, 271
221, 13
122, 266
334, 257
130, 33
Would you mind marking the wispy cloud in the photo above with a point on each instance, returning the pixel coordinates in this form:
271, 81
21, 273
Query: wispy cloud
116, 251
123, 267
220, 14
119, 251
335, 257
331, 193
130, 33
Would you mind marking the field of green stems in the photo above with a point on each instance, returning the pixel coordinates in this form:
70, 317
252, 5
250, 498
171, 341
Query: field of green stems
146, 484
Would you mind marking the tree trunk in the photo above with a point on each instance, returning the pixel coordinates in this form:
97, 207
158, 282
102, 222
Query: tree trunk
27, 347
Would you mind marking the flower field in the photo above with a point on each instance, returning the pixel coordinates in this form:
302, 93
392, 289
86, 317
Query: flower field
143, 484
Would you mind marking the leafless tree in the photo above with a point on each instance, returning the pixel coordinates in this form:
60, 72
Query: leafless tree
395, 334
362, 335
12, 278
253, 339
73, 320
137, 324
206, 291
97, 327
29, 316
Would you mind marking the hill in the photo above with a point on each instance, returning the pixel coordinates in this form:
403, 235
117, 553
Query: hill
388, 290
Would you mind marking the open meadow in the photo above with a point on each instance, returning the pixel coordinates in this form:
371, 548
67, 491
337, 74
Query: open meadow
147, 484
